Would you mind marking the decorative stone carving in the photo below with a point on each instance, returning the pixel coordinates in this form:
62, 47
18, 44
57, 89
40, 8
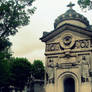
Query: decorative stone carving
67, 41
84, 69
66, 65
82, 43
50, 70
50, 63
53, 47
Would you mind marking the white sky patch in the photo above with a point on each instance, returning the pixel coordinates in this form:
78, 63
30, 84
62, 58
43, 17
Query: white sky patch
35, 55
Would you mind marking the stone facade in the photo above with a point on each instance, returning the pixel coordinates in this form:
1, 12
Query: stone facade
69, 54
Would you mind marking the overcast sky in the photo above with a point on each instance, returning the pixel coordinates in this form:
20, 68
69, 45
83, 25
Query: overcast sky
26, 42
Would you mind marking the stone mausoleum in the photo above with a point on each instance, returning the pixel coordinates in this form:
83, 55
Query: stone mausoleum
68, 54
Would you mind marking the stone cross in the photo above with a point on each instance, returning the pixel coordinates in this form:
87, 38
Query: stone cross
70, 5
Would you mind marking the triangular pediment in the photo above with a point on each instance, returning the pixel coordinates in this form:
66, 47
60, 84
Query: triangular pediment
65, 27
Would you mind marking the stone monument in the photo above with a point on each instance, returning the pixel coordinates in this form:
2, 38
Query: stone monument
69, 54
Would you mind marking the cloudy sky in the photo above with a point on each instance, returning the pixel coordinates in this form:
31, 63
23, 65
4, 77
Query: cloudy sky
26, 42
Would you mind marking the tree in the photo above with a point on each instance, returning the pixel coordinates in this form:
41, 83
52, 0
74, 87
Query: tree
38, 69
5, 52
85, 4
21, 71
14, 14
5, 75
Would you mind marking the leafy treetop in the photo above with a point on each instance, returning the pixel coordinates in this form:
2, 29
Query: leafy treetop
85, 4
14, 14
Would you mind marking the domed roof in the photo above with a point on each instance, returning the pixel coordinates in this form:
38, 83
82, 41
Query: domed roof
71, 15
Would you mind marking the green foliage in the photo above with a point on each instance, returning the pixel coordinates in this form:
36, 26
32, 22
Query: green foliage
85, 4
14, 14
38, 69
21, 71
18, 71
4, 73
5, 53
4, 43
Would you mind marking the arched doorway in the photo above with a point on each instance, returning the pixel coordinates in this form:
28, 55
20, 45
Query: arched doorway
69, 85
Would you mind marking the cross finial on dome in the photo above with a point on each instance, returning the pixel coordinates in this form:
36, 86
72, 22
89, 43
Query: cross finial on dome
70, 5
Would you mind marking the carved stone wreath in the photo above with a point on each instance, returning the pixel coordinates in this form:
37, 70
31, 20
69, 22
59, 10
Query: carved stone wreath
67, 41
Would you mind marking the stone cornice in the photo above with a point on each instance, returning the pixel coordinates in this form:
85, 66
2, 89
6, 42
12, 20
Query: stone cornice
82, 51
66, 27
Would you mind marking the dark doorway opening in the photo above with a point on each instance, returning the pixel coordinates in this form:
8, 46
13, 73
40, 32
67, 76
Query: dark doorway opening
69, 85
